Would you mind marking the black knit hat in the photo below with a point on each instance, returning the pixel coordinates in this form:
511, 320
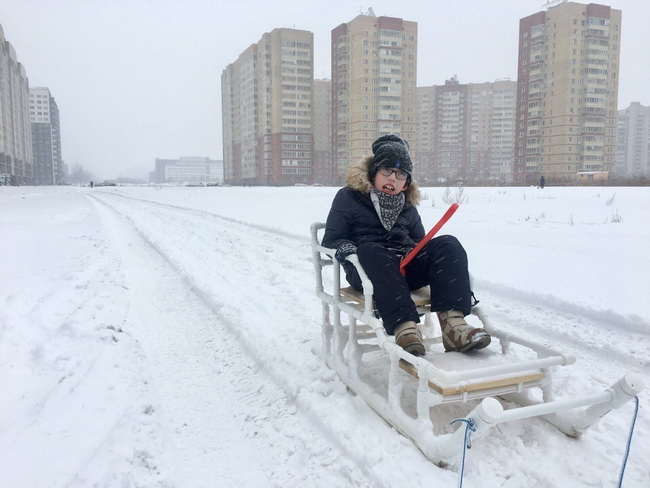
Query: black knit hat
390, 151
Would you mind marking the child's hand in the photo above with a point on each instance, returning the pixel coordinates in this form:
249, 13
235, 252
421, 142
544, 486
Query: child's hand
345, 250
406, 252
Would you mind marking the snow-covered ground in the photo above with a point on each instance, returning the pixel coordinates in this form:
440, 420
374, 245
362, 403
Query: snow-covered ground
165, 337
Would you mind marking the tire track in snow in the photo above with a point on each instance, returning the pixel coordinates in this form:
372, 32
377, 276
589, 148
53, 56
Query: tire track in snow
569, 327
267, 403
242, 239
239, 248
545, 319
267, 230
603, 318
230, 236
282, 343
563, 323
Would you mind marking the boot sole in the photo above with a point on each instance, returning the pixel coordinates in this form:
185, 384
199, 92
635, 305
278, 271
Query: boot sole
412, 343
416, 349
479, 341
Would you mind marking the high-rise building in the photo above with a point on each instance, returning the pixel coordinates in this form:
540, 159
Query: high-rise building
267, 111
633, 143
16, 164
322, 126
46, 137
567, 92
374, 74
466, 132
443, 132
492, 142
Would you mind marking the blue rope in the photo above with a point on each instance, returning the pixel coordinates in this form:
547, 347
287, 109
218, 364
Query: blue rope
467, 444
629, 442
469, 428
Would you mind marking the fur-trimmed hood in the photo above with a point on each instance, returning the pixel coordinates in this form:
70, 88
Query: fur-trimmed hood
357, 179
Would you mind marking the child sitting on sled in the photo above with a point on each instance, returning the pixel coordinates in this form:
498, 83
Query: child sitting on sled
375, 216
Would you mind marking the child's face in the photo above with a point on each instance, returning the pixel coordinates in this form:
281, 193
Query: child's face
389, 184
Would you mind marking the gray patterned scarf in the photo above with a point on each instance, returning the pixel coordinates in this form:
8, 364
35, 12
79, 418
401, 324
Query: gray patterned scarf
387, 206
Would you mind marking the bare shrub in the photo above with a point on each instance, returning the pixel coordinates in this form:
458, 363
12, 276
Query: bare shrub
458, 197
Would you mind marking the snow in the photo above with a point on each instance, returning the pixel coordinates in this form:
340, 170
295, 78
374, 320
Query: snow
168, 337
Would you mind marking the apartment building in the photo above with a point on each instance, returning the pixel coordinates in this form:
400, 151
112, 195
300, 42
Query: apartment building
374, 73
322, 126
567, 91
46, 137
466, 132
493, 130
190, 170
16, 163
633, 143
267, 111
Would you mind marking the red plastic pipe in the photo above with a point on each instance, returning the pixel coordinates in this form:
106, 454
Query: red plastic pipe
434, 230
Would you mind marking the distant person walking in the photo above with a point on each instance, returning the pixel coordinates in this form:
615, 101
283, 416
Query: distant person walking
91, 184
542, 182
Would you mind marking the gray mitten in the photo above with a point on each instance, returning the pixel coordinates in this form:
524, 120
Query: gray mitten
344, 250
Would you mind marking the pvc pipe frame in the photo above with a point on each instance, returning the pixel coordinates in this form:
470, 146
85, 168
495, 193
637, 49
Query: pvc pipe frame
442, 449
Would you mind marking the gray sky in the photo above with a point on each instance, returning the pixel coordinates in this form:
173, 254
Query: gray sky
140, 79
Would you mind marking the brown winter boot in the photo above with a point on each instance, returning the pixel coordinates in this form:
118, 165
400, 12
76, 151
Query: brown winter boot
458, 335
409, 338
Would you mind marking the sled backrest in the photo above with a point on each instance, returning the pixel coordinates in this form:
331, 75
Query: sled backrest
322, 256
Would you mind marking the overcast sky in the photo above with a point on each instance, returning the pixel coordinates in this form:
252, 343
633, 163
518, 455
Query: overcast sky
139, 79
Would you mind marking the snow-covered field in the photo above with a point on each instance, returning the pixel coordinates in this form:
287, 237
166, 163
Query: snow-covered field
165, 337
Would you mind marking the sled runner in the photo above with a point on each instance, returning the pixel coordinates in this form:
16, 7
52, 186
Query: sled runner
409, 391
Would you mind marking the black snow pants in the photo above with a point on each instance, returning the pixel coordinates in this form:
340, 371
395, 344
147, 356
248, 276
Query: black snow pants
441, 264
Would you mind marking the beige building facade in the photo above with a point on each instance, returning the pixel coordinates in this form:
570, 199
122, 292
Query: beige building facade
267, 111
374, 73
567, 91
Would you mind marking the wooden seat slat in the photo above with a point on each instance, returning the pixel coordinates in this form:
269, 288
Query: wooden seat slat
476, 385
421, 296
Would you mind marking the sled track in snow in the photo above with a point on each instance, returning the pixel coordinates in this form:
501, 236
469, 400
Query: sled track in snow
551, 320
544, 319
633, 324
573, 328
211, 215
289, 394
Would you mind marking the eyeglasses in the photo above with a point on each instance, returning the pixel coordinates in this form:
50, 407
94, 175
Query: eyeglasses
400, 174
